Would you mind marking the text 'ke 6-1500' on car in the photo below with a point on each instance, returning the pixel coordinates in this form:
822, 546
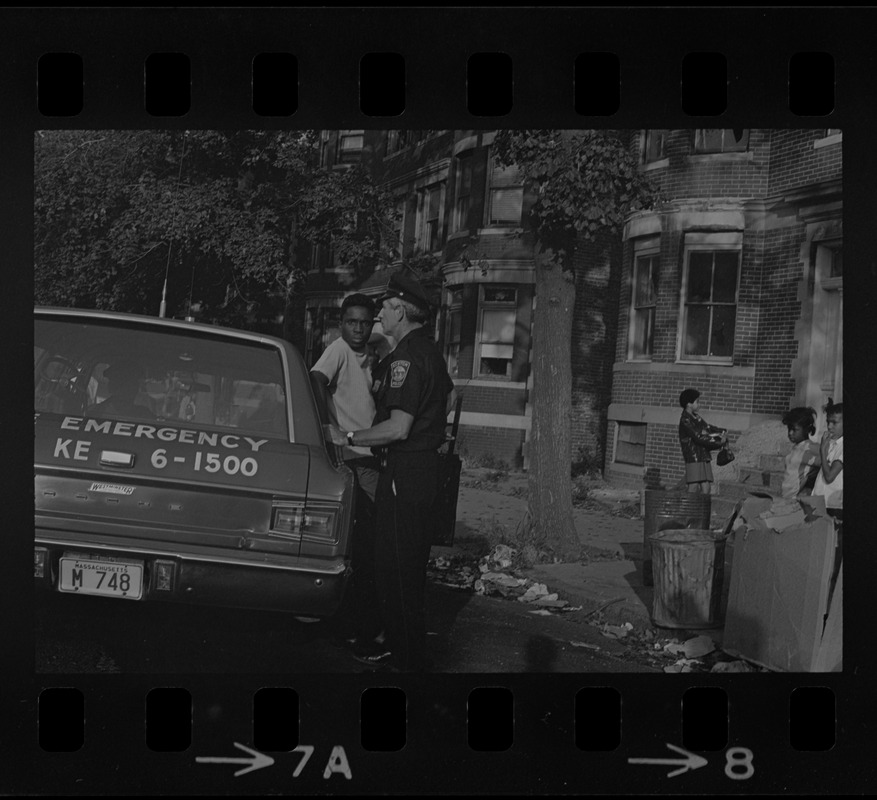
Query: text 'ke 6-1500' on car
184, 462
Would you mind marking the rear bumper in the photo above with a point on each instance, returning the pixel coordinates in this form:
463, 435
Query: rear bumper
310, 587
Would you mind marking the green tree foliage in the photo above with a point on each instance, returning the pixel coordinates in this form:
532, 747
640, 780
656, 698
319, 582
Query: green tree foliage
585, 182
220, 214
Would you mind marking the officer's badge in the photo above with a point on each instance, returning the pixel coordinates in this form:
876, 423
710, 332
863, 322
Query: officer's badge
398, 373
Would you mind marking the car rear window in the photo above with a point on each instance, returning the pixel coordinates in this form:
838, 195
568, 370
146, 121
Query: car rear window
120, 371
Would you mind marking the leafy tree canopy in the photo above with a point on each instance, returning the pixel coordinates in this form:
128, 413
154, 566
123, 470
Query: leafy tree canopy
586, 182
220, 213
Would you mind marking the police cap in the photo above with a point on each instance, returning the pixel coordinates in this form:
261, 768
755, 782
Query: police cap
407, 288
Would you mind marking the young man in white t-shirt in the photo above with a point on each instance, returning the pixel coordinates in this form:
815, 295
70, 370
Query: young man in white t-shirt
344, 370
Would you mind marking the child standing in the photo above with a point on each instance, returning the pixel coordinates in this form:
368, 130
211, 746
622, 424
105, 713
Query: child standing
697, 438
830, 480
802, 463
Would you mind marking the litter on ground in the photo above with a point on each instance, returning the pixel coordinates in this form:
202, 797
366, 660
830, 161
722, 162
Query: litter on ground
732, 666
692, 648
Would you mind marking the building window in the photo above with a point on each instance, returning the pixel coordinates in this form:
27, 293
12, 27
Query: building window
349, 147
630, 447
720, 140
399, 140
710, 304
453, 327
654, 143
506, 196
396, 140
496, 331
644, 301
463, 193
430, 228
837, 262
396, 244
324, 148
322, 257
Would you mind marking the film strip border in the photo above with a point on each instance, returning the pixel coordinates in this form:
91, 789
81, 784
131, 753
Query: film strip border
545, 735
473, 734
594, 86
545, 67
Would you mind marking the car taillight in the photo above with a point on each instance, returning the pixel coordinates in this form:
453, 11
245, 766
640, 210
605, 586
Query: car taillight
296, 520
286, 520
40, 562
320, 521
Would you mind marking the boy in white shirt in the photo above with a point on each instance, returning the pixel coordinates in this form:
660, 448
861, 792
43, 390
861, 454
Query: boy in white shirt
344, 370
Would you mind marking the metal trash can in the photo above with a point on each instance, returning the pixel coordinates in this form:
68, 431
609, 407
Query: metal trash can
669, 510
688, 569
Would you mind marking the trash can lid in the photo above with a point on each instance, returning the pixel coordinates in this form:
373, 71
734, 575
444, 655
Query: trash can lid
687, 536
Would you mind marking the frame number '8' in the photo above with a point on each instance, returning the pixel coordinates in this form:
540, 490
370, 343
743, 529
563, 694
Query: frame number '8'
738, 764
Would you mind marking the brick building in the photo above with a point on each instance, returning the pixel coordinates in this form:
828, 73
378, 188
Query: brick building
733, 286
457, 207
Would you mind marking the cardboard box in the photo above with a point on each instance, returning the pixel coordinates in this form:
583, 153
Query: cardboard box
780, 593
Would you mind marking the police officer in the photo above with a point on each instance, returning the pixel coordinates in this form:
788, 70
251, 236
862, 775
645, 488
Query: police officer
413, 393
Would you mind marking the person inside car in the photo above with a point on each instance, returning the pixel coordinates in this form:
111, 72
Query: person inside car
124, 378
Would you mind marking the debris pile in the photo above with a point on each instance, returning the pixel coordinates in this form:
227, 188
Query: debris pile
454, 572
495, 577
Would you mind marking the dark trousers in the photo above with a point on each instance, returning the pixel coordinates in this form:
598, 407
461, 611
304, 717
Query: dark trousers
359, 611
406, 492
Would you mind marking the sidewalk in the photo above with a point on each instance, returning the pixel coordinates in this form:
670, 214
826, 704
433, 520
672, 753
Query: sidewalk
615, 544
610, 581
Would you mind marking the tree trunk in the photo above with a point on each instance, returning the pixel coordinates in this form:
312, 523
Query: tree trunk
550, 447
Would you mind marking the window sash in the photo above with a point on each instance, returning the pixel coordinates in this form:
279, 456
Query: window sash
497, 351
643, 305
350, 145
654, 145
497, 321
497, 325
720, 140
506, 204
464, 190
710, 308
430, 214
630, 445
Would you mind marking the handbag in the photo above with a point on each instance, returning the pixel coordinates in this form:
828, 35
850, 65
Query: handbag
725, 456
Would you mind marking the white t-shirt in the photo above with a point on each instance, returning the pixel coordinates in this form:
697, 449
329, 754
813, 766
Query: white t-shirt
351, 406
832, 492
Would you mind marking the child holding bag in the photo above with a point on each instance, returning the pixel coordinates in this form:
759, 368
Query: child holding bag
697, 438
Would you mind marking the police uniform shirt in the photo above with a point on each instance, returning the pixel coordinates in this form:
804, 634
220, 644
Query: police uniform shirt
414, 379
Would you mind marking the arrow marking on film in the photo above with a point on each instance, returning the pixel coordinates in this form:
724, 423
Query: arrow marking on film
691, 761
256, 761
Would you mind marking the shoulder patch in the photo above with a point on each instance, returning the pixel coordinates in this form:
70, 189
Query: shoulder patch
398, 373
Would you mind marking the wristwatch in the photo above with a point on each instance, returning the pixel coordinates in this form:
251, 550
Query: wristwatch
350, 438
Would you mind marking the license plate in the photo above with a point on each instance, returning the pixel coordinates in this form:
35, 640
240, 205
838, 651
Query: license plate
107, 578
